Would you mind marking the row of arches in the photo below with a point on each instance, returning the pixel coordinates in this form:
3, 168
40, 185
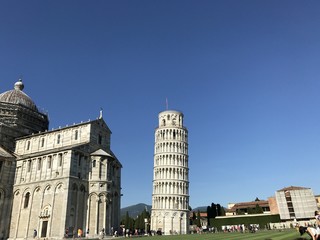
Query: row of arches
171, 188
171, 134
171, 159
171, 173
171, 147
179, 203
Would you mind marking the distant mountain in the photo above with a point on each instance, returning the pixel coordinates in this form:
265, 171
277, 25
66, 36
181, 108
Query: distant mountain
201, 209
135, 210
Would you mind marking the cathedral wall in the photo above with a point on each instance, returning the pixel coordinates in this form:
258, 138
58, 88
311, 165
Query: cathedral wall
54, 139
40, 207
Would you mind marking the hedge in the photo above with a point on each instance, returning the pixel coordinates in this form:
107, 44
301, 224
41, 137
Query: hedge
263, 221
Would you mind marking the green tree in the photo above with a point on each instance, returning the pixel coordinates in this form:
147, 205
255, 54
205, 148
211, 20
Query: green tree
128, 221
193, 219
198, 219
214, 210
140, 221
209, 214
240, 212
258, 209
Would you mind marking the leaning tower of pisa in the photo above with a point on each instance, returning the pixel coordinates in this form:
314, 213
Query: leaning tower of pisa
170, 198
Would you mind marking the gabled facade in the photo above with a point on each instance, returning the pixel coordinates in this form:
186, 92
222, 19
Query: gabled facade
56, 182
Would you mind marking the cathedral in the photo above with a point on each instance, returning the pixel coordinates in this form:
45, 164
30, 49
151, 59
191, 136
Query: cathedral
54, 183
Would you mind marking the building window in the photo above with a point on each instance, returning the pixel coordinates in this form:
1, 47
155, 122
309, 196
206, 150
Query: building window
94, 163
60, 159
29, 166
58, 139
79, 160
1, 162
42, 142
49, 162
99, 139
26, 200
76, 135
28, 145
39, 163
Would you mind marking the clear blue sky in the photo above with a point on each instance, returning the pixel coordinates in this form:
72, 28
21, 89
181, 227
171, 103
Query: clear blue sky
244, 73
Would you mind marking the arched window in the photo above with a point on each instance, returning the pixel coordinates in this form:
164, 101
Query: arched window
94, 163
26, 200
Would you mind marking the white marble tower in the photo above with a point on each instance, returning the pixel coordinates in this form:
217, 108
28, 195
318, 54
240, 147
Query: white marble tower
170, 198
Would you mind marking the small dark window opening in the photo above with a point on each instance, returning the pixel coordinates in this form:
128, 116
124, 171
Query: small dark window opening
29, 166
60, 159
39, 163
99, 139
26, 200
49, 162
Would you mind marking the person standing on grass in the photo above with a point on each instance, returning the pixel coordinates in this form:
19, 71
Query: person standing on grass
317, 216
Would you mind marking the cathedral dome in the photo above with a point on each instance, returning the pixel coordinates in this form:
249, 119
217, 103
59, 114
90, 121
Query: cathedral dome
17, 96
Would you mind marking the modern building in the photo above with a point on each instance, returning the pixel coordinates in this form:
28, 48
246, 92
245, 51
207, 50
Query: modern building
296, 203
170, 198
55, 182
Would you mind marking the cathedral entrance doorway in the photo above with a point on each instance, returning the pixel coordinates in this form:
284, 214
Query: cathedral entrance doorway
44, 229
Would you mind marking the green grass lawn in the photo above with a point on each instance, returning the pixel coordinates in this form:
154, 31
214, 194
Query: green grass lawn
260, 235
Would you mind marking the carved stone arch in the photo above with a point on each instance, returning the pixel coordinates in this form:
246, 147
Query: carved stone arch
16, 193
58, 187
37, 190
27, 189
47, 188
102, 197
93, 197
45, 211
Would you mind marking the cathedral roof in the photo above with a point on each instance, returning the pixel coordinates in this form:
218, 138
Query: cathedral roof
17, 96
101, 152
4, 153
